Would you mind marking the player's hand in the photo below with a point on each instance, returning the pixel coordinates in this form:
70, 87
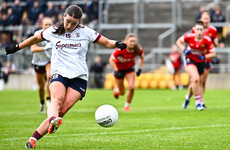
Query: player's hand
138, 72
201, 57
186, 51
120, 45
119, 74
48, 46
12, 48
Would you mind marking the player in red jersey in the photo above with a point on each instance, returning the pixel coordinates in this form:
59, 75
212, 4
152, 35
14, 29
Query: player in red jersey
200, 47
175, 57
123, 65
210, 31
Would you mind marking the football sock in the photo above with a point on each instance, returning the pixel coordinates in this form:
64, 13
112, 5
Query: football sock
36, 136
127, 104
187, 96
197, 99
47, 98
42, 101
201, 101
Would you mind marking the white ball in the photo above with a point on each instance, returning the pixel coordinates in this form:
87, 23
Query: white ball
106, 115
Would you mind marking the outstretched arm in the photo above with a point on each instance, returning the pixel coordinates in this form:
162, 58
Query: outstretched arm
28, 42
105, 42
31, 41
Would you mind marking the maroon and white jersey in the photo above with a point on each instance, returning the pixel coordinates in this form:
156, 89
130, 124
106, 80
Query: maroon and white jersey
198, 47
69, 51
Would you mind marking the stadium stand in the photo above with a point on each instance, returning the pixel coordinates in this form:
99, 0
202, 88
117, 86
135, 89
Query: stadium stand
156, 22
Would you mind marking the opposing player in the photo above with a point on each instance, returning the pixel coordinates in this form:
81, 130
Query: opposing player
69, 73
41, 62
123, 63
210, 31
176, 59
200, 47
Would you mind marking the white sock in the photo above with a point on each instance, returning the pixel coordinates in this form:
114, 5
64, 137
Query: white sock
197, 99
127, 104
201, 101
187, 97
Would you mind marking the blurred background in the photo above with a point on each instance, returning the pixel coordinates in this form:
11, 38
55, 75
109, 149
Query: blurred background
157, 24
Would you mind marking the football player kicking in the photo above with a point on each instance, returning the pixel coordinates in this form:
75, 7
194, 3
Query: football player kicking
69, 73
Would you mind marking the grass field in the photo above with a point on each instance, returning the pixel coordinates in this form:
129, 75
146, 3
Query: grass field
157, 121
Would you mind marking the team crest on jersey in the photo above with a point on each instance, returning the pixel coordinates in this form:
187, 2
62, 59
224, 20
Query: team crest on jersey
55, 76
202, 45
78, 34
210, 34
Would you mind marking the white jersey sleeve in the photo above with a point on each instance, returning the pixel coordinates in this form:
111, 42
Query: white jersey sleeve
46, 34
93, 35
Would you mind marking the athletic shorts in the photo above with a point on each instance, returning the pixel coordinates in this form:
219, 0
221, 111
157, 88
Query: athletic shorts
208, 65
200, 66
40, 69
124, 72
77, 84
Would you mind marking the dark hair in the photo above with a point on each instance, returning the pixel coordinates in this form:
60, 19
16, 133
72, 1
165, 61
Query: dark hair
73, 11
199, 22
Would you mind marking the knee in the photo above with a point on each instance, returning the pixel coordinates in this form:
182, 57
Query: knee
122, 92
131, 89
41, 87
196, 80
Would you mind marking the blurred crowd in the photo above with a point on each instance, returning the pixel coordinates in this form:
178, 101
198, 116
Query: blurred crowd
29, 14
34, 10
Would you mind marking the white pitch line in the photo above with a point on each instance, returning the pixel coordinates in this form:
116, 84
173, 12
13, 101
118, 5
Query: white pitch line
124, 132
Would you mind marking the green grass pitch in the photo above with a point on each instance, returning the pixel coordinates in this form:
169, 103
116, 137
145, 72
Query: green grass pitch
157, 122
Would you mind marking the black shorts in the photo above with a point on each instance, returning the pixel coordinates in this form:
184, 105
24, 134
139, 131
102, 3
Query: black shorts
208, 65
77, 84
124, 72
200, 66
40, 69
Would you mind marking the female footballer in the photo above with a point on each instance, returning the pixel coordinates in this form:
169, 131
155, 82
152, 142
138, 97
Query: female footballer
69, 73
123, 63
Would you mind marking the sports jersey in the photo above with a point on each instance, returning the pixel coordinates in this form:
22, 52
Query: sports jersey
41, 58
211, 31
69, 51
125, 59
196, 47
175, 58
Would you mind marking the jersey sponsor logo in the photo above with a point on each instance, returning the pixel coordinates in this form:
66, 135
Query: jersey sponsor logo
123, 60
59, 45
